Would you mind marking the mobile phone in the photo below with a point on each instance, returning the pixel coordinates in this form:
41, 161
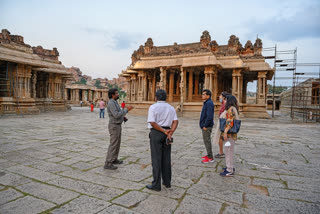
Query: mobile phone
168, 141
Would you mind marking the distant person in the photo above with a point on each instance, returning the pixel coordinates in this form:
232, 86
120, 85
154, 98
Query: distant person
102, 106
116, 117
217, 138
232, 112
81, 103
123, 104
206, 124
92, 106
162, 121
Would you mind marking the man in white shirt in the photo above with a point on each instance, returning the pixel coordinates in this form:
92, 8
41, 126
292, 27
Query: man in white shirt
163, 121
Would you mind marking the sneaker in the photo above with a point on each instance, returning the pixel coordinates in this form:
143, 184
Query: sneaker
117, 162
207, 160
226, 174
111, 167
219, 155
225, 168
204, 157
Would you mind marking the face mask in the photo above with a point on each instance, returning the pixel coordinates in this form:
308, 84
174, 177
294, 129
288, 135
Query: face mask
221, 100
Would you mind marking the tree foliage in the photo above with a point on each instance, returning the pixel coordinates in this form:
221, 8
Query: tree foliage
278, 89
82, 82
98, 84
122, 94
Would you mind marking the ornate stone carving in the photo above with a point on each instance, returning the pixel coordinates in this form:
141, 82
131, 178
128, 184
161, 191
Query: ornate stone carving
248, 49
149, 43
257, 47
205, 39
234, 45
214, 46
39, 50
234, 42
6, 37
258, 43
34, 82
248, 45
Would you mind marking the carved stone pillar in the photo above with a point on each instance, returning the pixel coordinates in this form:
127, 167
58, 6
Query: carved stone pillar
63, 86
145, 87
84, 95
208, 71
184, 81
90, 95
150, 87
182, 87
178, 86
133, 87
163, 78
261, 87
236, 74
190, 86
215, 86
140, 85
196, 83
34, 83
77, 94
153, 86
171, 86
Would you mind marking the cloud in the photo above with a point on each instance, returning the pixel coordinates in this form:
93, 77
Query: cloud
115, 40
305, 23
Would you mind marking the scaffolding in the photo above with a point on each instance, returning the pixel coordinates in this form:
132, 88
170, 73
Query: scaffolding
306, 93
304, 101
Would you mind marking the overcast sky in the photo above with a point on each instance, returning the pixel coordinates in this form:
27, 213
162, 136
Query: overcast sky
100, 36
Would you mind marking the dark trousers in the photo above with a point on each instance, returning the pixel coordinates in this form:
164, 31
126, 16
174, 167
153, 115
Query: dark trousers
161, 158
115, 141
206, 134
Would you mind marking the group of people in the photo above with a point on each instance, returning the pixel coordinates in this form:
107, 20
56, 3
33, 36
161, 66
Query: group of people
102, 106
163, 122
229, 110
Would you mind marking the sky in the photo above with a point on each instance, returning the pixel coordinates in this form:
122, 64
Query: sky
100, 36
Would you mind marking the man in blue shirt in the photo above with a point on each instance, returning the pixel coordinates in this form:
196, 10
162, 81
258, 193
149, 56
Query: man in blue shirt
206, 124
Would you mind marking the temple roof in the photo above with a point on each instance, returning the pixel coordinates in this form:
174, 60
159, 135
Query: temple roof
13, 49
203, 53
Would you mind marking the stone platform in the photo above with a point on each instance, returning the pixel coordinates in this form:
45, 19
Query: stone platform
53, 163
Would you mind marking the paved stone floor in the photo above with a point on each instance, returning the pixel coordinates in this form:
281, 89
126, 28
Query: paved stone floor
53, 163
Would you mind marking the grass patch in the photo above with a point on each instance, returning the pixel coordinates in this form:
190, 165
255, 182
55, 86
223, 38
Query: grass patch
306, 160
223, 207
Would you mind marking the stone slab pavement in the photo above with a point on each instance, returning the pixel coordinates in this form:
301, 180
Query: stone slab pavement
53, 163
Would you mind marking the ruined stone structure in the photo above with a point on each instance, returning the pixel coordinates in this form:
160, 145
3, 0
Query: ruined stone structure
32, 79
74, 93
305, 101
185, 70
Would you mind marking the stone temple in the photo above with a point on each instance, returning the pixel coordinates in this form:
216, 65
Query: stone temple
184, 70
32, 79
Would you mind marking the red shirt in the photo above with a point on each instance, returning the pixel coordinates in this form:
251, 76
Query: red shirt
123, 105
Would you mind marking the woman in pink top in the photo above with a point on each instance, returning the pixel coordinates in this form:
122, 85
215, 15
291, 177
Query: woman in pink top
223, 100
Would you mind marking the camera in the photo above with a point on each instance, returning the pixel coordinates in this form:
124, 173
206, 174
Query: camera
125, 119
168, 141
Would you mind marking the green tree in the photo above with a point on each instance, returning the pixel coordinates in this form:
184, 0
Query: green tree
82, 82
278, 89
122, 94
98, 84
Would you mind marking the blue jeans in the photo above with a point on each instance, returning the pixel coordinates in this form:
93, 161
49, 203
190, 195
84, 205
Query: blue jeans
102, 112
